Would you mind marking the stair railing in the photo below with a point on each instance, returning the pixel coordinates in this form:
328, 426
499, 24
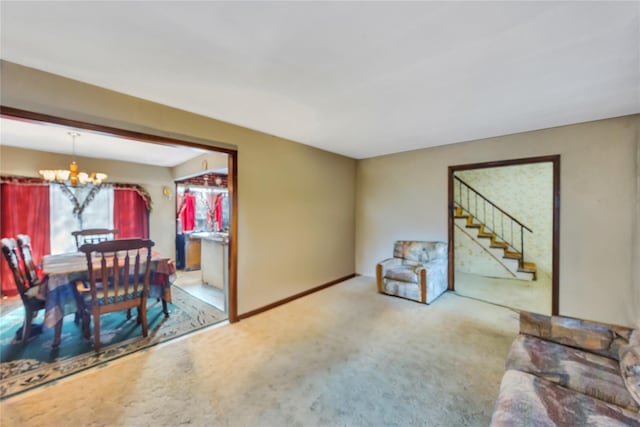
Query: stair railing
485, 211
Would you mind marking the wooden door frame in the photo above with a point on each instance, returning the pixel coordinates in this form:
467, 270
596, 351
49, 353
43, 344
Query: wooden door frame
555, 257
15, 113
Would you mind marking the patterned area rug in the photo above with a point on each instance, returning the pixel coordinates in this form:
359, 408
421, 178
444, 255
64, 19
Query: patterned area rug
25, 367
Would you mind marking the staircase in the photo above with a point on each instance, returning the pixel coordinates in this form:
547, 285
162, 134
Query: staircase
485, 223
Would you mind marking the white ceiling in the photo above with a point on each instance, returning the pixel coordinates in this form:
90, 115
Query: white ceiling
56, 139
356, 78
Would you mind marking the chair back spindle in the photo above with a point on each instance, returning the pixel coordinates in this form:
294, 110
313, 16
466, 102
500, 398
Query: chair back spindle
93, 235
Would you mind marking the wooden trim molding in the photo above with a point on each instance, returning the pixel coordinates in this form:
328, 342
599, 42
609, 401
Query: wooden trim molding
15, 113
294, 297
379, 278
450, 245
423, 286
555, 259
233, 237
143, 137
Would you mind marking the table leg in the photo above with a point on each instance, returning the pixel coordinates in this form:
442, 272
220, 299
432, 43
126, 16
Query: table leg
164, 308
166, 297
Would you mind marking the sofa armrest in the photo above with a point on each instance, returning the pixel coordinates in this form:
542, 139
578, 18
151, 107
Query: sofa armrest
594, 337
382, 267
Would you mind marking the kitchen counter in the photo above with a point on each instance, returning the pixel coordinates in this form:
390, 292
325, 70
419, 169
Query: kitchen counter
210, 235
214, 259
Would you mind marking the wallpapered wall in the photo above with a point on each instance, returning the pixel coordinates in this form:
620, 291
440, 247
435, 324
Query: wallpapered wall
470, 257
526, 193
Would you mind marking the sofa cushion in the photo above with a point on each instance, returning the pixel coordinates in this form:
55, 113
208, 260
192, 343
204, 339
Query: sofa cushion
592, 336
408, 290
419, 251
630, 366
404, 273
581, 371
526, 400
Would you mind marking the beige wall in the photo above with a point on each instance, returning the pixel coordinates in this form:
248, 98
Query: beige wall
472, 258
404, 196
200, 164
295, 205
21, 162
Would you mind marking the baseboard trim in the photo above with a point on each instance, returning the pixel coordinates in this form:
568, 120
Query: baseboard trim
295, 297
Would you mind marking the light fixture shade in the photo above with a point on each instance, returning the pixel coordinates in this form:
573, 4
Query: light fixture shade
49, 175
72, 175
99, 177
83, 177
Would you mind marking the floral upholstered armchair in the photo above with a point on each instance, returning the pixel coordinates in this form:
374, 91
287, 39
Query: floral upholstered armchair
417, 271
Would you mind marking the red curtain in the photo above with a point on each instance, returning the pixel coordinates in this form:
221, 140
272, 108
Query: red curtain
130, 214
24, 209
218, 212
187, 212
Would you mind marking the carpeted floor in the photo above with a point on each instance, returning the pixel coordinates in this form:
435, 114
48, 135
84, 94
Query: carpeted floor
345, 356
37, 363
532, 295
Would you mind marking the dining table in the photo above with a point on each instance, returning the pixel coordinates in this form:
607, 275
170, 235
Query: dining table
66, 273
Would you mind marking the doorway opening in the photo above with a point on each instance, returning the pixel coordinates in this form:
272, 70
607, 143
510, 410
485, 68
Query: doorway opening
504, 232
161, 225
202, 234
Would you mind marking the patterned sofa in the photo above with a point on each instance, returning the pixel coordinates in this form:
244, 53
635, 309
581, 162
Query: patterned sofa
418, 271
569, 372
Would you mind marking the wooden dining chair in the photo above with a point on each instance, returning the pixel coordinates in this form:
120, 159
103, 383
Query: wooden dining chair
93, 235
31, 273
29, 266
119, 276
32, 304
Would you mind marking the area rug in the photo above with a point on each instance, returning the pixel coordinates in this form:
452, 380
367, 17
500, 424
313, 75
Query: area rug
25, 367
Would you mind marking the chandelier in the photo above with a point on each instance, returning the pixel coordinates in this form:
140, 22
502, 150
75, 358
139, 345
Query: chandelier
72, 176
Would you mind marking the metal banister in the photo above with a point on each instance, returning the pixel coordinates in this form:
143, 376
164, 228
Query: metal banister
511, 242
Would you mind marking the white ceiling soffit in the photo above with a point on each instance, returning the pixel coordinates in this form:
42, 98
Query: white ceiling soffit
356, 78
56, 139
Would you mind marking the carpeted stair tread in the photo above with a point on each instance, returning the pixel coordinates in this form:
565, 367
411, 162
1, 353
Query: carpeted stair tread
458, 212
512, 255
528, 267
